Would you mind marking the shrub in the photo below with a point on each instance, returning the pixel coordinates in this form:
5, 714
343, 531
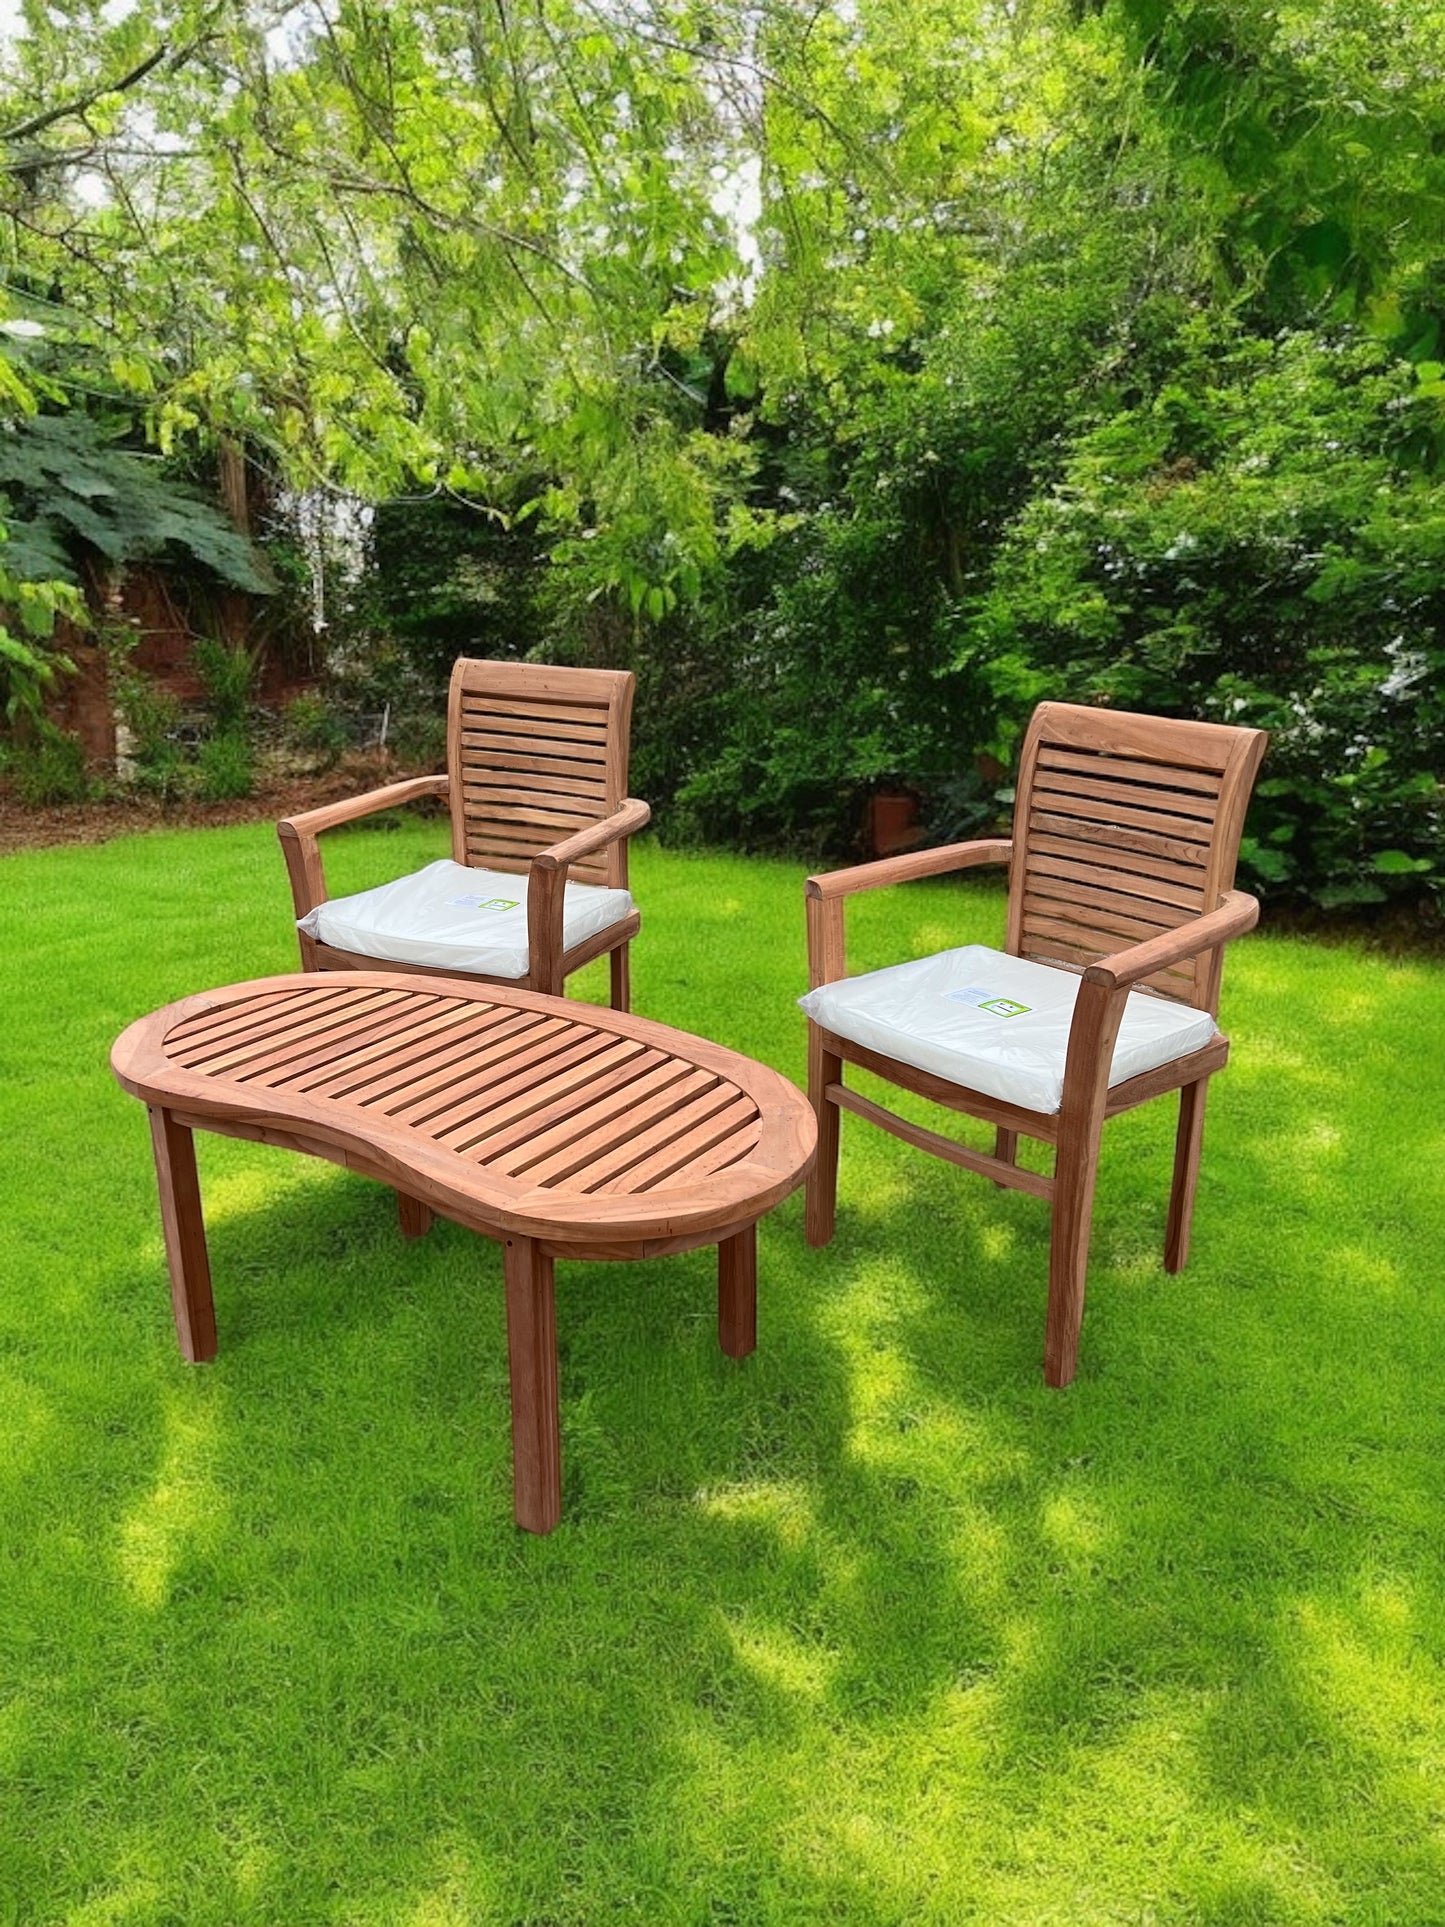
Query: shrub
50, 768
152, 720
1262, 542
314, 726
226, 767
228, 676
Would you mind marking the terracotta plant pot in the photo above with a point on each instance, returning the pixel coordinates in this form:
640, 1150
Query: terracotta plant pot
892, 823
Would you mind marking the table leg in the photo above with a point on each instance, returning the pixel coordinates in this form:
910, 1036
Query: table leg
532, 1358
185, 1235
737, 1293
414, 1215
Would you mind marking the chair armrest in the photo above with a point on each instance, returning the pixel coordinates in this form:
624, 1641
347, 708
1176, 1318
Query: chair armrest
904, 869
1237, 912
298, 834
547, 883
825, 896
1099, 1010
632, 817
329, 815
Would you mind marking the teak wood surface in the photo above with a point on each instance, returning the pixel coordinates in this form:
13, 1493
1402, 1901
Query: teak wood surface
1121, 869
537, 784
558, 1129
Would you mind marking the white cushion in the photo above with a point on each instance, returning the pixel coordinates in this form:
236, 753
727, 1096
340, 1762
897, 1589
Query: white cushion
456, 918
995, 1023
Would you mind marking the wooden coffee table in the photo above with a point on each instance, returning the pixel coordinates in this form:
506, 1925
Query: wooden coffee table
560, 1129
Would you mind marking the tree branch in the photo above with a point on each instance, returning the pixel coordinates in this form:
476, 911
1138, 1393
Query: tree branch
23, 130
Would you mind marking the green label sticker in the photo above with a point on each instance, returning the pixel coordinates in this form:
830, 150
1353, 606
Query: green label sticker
979, 999
487, 903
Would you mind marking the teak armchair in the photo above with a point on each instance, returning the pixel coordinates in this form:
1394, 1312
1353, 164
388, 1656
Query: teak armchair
1121, 866
536, 781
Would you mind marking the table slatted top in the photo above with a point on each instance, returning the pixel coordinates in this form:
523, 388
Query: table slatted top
557, 1112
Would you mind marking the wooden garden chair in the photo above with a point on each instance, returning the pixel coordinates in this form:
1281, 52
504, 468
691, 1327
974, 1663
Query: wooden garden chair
1121, 866
537, 881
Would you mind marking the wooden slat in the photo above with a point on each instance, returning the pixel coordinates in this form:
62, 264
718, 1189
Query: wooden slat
539, 1105
297, 1031
558, 822
1188, 745
526, 729
616, 1173
276, 1020
1139, 875
517, 1045
461, 1102
482, 777
680, 1158
636, 1092
1047, 939
652, 1126
1202, 782
375, 1062
319, 1053
1097, 809
1061, 895
543, 1127
1133, 796
196, 1027
1115, 837
527, 753
546, 804
483, 836
1095, 938
592, 715
568, 1070
518, 852
730, 1150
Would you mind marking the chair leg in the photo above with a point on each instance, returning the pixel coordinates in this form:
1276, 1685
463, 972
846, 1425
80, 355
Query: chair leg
1005, 1149
1187, 1145
308, 951
1075, 1169
824, 1068
621, 978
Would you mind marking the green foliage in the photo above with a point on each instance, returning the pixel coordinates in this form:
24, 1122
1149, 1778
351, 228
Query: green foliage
314, 725
444, 580
228, 673
70, 492
1262, 541
48, 767
152, 719
225, 766
849, 372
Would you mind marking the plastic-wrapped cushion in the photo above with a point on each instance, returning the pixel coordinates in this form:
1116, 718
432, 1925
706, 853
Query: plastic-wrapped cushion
454, 918
995, 1023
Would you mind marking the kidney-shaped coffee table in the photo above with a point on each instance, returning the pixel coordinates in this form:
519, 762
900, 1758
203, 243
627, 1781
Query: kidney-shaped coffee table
560, 1129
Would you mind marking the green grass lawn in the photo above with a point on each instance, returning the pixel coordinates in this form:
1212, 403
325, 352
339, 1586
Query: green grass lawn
869, 1628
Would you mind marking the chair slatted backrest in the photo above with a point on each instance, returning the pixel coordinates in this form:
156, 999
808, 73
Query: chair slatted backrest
1126, 826
536, 753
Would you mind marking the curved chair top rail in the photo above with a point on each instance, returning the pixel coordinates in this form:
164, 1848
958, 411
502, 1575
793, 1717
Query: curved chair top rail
1126, 826
536, 753
511, 1111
